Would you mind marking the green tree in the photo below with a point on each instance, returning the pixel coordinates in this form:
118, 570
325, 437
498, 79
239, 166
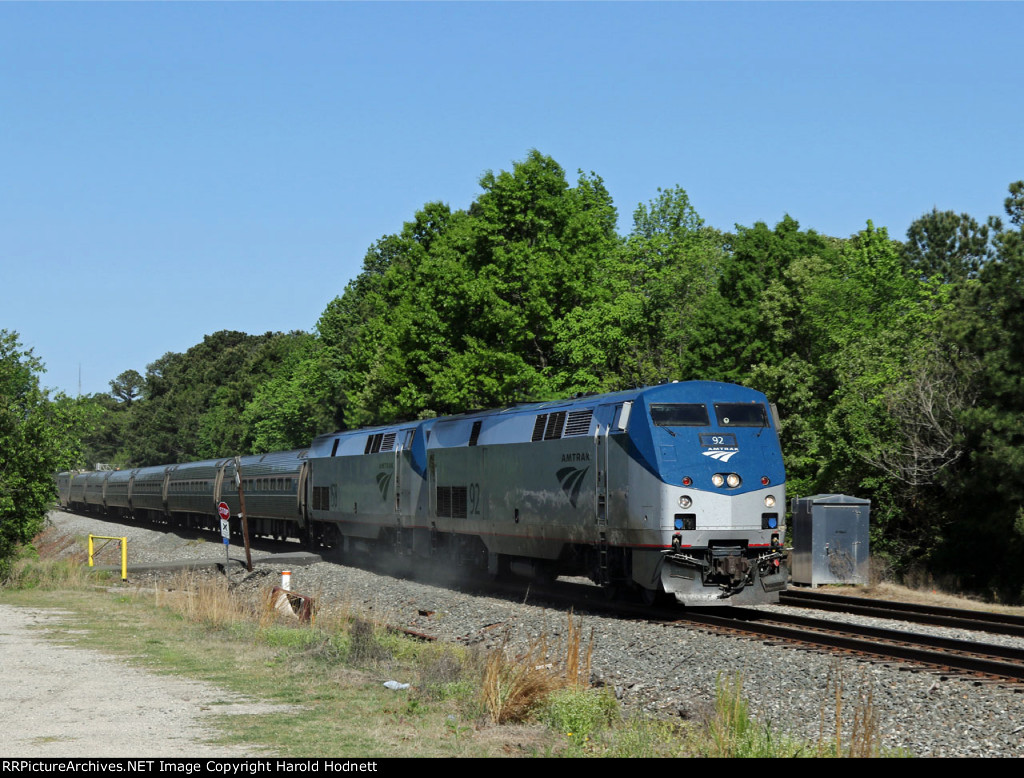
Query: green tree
758, 257
641, 327
466, 309
127, 387
295, 404
943, 244
192, 405
38, 438
869, 388
989, 489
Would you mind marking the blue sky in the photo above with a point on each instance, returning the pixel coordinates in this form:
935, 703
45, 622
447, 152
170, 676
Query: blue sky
168, 170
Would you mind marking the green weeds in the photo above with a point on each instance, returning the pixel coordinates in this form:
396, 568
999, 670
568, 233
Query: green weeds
330, 677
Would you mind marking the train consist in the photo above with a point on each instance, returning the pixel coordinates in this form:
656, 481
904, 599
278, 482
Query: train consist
674, 489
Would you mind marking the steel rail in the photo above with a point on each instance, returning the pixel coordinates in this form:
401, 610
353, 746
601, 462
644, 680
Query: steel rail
956, 618
869, 641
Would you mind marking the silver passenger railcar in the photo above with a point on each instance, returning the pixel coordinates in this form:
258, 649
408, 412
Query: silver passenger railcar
187, 495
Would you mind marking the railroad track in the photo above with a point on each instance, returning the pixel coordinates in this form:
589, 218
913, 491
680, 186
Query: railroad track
957, 618
945, 655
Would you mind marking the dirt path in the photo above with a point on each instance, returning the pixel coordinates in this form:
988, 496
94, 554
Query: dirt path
64, 701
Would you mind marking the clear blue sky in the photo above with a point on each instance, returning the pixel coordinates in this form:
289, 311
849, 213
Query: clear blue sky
168, 170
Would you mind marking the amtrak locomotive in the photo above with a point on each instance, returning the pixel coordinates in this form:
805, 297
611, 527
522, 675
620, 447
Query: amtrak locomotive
676, 489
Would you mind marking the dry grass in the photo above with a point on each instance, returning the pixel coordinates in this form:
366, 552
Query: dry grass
731, 732
54, 561
862, 740
344, 655
53, 544
200, 598
515, 684
923, 594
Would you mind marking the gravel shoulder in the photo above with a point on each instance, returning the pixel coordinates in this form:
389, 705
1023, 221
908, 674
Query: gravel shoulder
655, 670
58, 700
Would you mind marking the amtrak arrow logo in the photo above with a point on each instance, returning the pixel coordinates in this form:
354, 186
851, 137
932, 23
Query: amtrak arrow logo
572, 480
722, 455
383, 482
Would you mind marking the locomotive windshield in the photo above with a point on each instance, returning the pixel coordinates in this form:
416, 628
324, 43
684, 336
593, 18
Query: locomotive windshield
741, 415
679, 414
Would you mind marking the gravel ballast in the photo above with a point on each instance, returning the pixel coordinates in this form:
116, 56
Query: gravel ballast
655, 670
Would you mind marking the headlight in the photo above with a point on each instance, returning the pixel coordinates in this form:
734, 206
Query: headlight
769, 501
718, 479
685, 501
733, 480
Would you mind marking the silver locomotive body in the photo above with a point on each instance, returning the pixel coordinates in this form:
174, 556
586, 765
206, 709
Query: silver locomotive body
676, 489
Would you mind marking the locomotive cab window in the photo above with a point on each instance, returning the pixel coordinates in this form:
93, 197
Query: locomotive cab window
741, 415
679, 415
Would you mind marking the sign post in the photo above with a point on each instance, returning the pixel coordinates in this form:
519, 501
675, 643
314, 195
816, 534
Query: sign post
225, 527
244, 516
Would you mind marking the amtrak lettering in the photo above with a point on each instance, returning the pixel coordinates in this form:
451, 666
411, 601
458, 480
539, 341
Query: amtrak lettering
576, 456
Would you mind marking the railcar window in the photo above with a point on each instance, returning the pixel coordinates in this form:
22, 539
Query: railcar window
679, 415
741, 414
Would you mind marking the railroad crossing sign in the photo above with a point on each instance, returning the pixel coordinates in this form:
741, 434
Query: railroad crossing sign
225, 527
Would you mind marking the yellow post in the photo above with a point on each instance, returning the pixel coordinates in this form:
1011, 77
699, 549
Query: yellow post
123, 542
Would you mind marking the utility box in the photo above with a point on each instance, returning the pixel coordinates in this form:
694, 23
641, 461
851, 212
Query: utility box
830, 540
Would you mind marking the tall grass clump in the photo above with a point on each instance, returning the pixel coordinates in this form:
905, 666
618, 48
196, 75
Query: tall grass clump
203, 599
53, 561
861, 741
47, 574
579, 714
732, 732
546, 682
448, 673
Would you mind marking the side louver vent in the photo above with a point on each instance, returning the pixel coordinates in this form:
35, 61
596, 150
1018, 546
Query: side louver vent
452, 502
549, 426
538, 427
579, 423
380, 442
555, 423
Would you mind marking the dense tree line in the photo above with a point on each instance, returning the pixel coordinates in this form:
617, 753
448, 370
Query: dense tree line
897, 366
39, 435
